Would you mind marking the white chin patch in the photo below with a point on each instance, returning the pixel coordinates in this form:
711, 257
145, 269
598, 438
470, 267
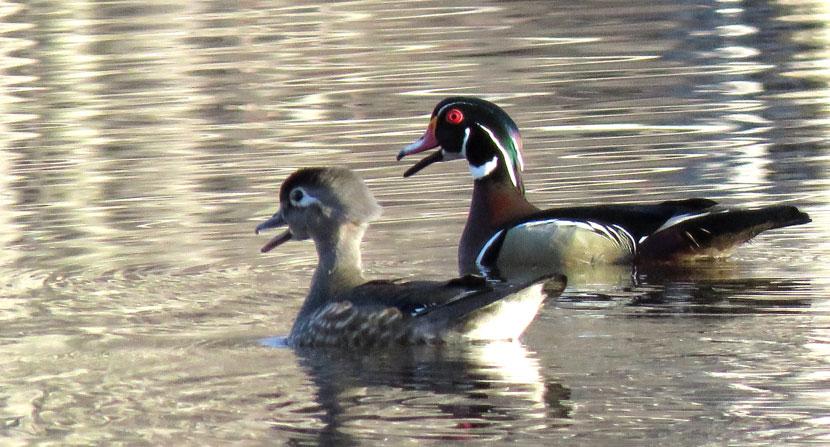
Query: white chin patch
485, 169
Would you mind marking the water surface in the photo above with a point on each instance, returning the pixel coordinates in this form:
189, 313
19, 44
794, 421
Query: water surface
140, 143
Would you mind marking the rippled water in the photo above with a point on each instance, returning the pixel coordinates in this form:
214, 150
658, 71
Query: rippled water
140, 143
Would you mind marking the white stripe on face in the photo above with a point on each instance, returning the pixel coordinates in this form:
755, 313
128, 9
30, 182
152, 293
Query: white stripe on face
505, 155
464, 143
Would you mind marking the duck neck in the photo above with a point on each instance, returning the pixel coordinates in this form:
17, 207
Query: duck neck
339, 266
495, 203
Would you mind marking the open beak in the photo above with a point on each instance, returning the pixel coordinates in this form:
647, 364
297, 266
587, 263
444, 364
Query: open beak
275, 221
426, 142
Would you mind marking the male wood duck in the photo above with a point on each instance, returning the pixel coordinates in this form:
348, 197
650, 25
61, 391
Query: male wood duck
332, 206
506, 235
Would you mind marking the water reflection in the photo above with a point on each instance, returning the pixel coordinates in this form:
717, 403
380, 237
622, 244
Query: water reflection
716, 288
457, 392
725, 297
140, 142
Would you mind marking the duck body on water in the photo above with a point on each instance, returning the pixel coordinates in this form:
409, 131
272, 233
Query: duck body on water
506, 236
333, 207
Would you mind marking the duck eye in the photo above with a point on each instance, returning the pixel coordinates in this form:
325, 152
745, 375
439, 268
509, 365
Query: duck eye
454, 116
299, 197
296, 196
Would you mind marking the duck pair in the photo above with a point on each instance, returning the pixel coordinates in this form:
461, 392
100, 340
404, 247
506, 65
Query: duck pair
505, 237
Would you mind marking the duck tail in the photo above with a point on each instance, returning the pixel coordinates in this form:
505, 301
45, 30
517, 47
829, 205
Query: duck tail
714, 232
501, 311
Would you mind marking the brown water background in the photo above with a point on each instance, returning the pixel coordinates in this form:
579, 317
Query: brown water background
141, 142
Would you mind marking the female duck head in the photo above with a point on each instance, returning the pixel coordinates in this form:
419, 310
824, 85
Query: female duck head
315, 202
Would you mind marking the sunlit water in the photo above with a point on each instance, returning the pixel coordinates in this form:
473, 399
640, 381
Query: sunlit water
141, 143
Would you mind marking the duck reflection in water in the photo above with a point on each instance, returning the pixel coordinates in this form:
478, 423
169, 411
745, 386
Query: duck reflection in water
481, 390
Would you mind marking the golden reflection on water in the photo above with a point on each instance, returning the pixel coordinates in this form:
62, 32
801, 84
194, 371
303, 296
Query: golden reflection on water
141, 142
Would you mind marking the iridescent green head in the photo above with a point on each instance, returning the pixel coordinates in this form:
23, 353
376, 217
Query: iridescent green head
476, 130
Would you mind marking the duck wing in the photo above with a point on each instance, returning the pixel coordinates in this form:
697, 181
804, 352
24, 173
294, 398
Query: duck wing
637, 219
714, 231
418, 312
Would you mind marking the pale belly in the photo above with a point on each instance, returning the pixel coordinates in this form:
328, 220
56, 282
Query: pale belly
507, 319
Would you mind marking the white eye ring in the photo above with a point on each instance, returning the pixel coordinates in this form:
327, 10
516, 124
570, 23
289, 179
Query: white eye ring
299, 197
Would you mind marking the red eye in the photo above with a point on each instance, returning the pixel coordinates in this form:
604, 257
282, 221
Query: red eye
454, 116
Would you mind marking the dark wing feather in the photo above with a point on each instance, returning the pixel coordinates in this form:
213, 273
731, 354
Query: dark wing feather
420, 298
716, 231
384, 312
440, 302
638, 219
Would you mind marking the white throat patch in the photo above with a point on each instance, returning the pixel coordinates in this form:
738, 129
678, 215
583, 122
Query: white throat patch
485, 169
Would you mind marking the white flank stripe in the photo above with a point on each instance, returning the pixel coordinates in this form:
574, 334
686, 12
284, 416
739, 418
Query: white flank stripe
598, 228
484, 250
629, 236
577, 223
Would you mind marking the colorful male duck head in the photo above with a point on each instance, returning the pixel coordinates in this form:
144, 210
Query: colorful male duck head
476, 130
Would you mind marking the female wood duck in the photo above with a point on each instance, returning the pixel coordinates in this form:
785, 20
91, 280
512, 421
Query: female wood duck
332, 206
505, 234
